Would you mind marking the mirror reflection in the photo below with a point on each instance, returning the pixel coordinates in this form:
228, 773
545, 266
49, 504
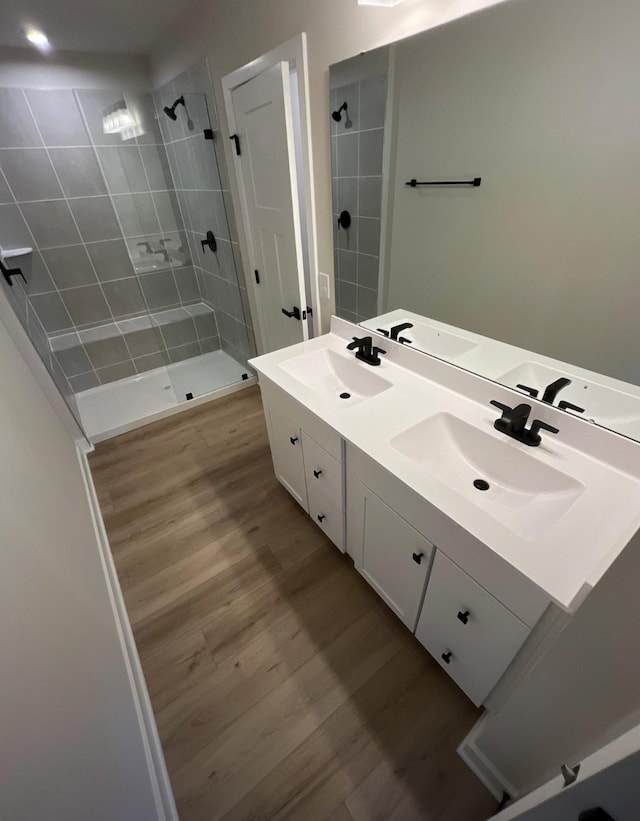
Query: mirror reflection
485, 198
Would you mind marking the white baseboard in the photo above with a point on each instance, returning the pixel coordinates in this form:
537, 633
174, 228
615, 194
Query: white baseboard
493, 780
159, 777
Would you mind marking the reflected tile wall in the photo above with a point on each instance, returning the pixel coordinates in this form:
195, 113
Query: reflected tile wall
200, 180
356, 162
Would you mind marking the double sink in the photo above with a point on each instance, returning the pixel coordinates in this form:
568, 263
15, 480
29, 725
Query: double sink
501, 477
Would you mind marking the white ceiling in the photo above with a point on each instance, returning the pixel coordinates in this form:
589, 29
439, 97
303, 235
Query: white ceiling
102, 26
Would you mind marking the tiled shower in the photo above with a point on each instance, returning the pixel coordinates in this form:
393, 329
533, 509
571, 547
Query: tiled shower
357, 142
114, 198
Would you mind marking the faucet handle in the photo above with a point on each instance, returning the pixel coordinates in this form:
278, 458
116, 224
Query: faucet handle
536, 426
383, 332
376, 351
564, 405
531, 391
500, 406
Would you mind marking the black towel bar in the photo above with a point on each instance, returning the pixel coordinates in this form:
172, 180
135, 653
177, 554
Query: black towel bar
475, 182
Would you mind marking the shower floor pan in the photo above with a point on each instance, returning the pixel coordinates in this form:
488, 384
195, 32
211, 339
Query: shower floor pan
117, 407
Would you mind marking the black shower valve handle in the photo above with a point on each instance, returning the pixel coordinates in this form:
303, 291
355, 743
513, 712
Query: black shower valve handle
344, 220
210, 242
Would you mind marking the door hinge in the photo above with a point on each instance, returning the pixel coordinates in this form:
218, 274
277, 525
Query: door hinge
569, 774
236, 140
257, 276
208, 133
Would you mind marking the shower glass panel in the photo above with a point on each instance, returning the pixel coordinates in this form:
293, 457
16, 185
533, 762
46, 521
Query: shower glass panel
215, 337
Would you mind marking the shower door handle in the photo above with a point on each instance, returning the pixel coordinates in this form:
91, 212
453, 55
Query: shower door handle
295, 313
8, 273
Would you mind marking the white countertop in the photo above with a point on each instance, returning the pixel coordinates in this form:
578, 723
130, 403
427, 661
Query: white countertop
565, 560
609, 402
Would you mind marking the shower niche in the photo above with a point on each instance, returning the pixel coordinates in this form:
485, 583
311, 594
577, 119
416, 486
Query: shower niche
133, 293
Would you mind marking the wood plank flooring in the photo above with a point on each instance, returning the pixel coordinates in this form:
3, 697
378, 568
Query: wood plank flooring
282, 686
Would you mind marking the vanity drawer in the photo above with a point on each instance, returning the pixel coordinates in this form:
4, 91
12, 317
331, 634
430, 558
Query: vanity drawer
324, 473
460, 618
327, 516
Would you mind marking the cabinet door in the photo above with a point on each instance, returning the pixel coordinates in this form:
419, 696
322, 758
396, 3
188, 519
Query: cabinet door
286, 450
392, 556
469, 633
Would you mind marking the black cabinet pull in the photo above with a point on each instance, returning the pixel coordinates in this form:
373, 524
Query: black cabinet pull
446, 657
293, 439
321, 517
317, 473
295, 312
464, 617
417, 558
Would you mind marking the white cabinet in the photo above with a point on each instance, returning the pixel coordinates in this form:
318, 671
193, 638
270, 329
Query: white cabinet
469, 632
285, 438
310, 471
392, 556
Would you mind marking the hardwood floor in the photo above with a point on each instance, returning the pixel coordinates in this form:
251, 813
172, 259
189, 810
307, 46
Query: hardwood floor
282, 686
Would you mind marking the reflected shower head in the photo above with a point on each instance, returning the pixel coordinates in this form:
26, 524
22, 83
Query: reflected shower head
170, 111
337, 115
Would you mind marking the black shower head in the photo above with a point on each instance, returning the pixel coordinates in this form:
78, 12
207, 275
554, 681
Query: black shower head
170, 111
337, 115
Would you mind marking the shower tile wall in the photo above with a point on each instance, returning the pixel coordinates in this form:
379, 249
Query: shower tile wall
102, 217
200, 179
356, 163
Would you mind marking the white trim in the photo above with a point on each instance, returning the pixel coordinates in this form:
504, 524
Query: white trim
388, 174
158, 775
179, 408
294, 52
493, 780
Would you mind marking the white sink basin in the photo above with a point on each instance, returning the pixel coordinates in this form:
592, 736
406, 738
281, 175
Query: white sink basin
605, 405
336, 377
525, 494
431, 340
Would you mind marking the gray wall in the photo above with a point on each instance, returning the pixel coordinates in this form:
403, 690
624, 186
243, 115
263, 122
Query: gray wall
71, 743
201, 181
540, 99
356, 162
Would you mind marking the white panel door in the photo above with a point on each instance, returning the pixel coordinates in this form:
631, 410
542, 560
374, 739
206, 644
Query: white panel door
264, 126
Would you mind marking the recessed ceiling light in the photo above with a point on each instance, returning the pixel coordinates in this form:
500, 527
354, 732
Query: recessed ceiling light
379, 2
38, 39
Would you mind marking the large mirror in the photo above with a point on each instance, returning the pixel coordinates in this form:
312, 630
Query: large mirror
486, 198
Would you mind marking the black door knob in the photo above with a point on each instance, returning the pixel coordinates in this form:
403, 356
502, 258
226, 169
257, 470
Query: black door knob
294, 312
417, 558
321, 517
446, 657
464, 616
317, 473
293, 439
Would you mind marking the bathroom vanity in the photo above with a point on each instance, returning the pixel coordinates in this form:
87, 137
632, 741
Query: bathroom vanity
480, 541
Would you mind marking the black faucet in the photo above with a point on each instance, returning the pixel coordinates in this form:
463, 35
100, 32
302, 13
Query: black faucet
550, 393
513, 423
397, 329
365, 350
